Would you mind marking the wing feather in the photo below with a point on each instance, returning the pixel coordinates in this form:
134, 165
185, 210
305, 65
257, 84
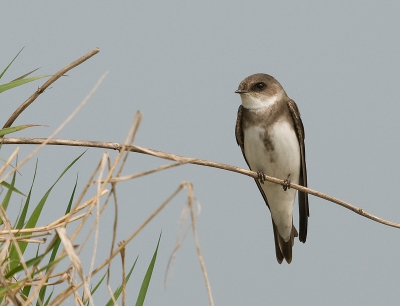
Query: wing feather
304, 212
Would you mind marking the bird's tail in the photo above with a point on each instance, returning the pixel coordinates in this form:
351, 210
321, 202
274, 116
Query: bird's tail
283, 248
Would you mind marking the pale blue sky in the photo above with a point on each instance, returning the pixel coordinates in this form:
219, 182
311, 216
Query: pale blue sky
179, 62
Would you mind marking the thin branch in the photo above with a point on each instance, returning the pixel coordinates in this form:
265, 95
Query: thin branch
130, 137
195, 161
61, 222
19, 238
189, 186
50, 81
25, 240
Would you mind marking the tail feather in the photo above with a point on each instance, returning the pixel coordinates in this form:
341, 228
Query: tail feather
283, 249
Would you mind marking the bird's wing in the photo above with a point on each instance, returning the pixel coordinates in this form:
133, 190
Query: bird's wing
240, 141
303, 197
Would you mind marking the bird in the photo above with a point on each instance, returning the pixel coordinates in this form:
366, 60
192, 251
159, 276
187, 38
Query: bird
270, 133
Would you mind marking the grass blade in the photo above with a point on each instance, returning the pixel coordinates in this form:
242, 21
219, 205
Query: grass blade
147, 277
22, 217
19, 82
13, 129
8, 66
118, 292
12, 188
48, 299
20, 267
25, 75
7, 197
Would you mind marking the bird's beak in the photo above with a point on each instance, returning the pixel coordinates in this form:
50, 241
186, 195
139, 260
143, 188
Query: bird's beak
240, 91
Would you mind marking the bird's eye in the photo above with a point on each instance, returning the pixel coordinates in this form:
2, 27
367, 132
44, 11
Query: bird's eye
260, 86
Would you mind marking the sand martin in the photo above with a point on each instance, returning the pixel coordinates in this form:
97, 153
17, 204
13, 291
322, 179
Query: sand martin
270, 133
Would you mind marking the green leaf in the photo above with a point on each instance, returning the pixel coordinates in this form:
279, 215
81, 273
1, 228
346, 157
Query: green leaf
12, 188
50, 264
118, 292
98, 285
20, 267
34, 261
48, 299
13, 129
21, 219
7, 197
26, 290
4, 71
147, 277
19, 82
25, 75
92, 291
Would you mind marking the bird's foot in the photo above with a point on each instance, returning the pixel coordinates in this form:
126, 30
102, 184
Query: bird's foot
261, 176
286, 183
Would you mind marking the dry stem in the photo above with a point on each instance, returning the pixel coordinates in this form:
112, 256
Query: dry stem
196, 239
195, 161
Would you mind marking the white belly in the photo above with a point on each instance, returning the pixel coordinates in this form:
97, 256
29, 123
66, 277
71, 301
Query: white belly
283, 160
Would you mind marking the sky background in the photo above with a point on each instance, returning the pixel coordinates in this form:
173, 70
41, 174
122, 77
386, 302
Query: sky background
179, 63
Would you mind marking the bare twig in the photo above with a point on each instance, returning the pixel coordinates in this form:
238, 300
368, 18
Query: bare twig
28, 236
189, 186
50, 81
195, 161
130, 137
136, 175
97, 214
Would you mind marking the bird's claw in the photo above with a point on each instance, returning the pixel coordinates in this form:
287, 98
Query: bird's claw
261, 176
286, 183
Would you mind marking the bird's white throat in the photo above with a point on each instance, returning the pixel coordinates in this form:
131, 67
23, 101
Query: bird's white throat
251, 101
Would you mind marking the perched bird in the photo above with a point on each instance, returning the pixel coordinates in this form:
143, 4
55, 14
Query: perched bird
270, 133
